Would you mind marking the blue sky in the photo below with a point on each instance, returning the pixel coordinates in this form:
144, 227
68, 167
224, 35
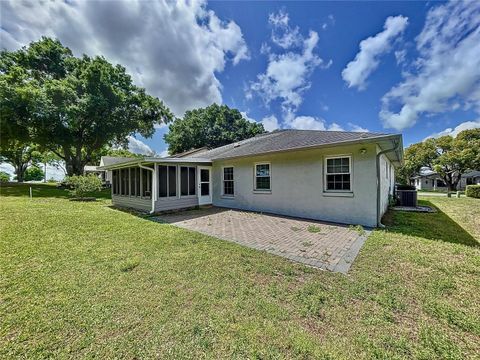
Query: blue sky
409, 67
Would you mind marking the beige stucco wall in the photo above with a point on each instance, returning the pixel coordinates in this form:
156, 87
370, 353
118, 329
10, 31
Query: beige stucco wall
297, 182
387, 182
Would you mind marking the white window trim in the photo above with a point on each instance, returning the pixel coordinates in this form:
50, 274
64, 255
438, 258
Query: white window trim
349, 156
255, 177
223, 182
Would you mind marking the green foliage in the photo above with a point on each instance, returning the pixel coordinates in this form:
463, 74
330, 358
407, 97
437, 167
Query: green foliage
20, 155
473, 191
122, 153
210, 127
72, 106
83, 185
313, 229
450, 157
412, 293
34, 173
4, 176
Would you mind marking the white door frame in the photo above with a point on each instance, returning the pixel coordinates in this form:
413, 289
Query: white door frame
204, 199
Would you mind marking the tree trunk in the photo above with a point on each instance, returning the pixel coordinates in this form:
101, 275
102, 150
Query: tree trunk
20, 169
74, 165
45, 172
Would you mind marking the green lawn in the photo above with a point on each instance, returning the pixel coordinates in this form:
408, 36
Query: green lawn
86, 280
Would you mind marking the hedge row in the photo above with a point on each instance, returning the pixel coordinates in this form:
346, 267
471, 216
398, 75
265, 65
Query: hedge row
473, 191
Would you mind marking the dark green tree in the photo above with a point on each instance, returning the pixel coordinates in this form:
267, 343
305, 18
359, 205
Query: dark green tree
34, 173
72, 106
20, 155
213, 126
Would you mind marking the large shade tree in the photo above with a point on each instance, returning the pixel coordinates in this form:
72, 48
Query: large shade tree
449, 156
213, 126
72, 106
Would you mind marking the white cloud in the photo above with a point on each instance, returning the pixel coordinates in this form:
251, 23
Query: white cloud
164, 153
270, 123
282, 34
287, 75
367, 59
400, 56
357, 128
312, 123
446, 73
173, 49
307, 123
329, 22
335, 127
467, 125
139, 147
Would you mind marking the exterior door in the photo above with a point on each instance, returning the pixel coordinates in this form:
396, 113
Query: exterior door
204, 185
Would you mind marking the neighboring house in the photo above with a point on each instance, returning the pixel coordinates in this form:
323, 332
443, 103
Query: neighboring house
470, 178
428, 180
344, 177
104, 175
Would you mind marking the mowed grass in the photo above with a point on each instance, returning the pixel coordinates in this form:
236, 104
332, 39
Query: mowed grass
83, 280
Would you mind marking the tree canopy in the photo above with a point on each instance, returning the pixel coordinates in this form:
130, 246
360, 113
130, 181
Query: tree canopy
71, 106
213, 126
449, 156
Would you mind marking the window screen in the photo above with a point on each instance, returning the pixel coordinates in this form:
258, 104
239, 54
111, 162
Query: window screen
338, 174
262, 177
172, 181
162, 181
228, 183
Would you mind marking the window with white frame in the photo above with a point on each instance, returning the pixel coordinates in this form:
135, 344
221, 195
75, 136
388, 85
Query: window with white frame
262, 177
338, 173
228, 184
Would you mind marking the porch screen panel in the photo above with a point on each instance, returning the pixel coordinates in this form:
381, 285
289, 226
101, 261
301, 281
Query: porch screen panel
146, 179
114, 182
137, 181
192, 184
172, 181
162, 181
132, 181
184, 181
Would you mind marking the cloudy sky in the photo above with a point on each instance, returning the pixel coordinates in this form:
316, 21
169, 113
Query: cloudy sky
408, 67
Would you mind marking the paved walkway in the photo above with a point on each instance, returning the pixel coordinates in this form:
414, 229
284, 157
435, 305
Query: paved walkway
324, 245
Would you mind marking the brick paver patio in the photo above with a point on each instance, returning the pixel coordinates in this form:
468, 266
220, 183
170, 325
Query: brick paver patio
324, 245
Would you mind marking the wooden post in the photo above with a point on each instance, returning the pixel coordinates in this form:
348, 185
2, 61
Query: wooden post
30, 192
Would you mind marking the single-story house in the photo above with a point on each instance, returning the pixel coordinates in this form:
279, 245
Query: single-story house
104, 175
469, 178
344, 177
428, 179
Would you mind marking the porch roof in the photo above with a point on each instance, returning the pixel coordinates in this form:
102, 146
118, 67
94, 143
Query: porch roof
158, 160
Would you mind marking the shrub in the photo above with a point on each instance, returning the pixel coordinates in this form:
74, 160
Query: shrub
4, 176
33, 173
473, 191
81, 186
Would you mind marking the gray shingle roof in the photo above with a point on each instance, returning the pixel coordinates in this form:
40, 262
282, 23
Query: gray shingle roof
283, 140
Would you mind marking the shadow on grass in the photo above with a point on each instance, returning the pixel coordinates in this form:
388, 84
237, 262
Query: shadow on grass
42, 191
433, 226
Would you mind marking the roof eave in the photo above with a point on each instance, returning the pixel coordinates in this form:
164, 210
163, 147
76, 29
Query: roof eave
338, 143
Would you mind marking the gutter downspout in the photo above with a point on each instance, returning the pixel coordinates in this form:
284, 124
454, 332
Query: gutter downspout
152, 192
379, 223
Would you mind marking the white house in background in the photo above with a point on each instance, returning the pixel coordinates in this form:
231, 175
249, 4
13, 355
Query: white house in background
428, 180
344, 177
105, 175
470, 178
